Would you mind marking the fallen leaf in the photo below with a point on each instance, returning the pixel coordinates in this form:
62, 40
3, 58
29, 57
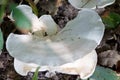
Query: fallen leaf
108, 58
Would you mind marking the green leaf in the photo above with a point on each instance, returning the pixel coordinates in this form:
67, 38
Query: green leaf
109, 23
21, 21
115, 17
102, 73
112, 20
35, 76
1, 40
12, 6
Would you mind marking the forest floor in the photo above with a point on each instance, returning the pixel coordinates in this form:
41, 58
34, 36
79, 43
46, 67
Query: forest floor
108, 50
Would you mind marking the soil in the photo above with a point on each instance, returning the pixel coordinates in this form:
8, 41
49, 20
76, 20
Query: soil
108, 50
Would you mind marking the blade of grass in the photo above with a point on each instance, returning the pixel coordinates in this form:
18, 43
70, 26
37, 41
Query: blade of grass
2, 9
32, 4
35, 76
1, 41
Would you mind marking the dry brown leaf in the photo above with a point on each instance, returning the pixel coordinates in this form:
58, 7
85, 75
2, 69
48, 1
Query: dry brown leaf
109, 58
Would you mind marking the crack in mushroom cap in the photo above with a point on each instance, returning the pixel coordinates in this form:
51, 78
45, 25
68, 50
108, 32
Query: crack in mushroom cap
90, 3
79, 37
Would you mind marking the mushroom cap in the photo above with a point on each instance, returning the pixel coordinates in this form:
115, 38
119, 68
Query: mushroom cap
70, 46
79, 37
90, 3
84, 66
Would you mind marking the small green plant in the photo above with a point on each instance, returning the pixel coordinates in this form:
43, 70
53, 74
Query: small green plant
112, 20
35, 76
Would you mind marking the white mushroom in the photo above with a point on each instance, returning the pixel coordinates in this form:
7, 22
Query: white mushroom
90, 3
71, 51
